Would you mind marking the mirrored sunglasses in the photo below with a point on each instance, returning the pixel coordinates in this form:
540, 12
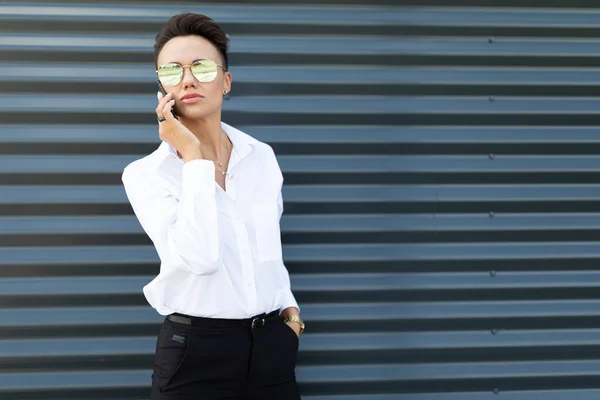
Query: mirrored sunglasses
203, 70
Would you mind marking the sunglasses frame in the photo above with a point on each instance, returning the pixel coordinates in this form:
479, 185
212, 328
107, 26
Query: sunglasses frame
183, 67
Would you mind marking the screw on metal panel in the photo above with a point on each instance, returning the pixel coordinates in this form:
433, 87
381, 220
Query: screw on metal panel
492, 214
496, 391
492, 156
492, 273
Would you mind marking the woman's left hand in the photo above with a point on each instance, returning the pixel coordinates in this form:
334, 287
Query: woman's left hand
295, 327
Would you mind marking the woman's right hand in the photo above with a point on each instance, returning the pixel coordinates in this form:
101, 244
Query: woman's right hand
174, 132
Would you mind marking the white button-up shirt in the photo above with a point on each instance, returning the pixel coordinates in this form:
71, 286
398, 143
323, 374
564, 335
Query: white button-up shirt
220, 251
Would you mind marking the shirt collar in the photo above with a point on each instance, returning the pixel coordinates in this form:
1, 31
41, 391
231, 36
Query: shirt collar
242, 146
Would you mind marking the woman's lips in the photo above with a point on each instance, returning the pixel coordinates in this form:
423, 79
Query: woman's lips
191, 99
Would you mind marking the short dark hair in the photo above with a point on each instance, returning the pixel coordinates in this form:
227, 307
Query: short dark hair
187, 24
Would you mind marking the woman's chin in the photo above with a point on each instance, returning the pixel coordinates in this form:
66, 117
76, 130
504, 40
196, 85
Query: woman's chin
197, 112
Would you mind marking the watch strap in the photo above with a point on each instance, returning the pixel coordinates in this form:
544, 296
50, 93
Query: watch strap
295, 318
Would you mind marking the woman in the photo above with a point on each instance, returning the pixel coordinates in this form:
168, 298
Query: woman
210, 200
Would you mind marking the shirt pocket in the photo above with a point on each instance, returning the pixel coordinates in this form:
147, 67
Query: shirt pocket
266, 228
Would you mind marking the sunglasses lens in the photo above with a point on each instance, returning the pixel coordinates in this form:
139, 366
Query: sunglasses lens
205, 70
170, 74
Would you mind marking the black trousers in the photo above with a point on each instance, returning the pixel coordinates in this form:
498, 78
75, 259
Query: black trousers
226, 359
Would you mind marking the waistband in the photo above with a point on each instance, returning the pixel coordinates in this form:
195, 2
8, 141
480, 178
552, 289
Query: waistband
254, 322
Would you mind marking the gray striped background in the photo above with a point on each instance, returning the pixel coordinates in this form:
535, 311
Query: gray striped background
441, 192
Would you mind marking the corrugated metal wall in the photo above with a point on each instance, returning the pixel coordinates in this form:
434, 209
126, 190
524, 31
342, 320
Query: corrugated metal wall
442, 193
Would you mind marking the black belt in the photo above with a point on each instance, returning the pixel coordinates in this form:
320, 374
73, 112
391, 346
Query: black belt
254, 322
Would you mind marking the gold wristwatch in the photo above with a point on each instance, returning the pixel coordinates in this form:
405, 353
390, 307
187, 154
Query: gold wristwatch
296, 318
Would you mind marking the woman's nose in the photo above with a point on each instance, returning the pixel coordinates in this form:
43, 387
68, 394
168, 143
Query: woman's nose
188, 78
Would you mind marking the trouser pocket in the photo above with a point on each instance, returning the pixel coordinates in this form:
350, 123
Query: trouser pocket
171, 349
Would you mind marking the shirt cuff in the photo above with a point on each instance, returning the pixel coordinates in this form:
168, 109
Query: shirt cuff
288, 301
198, 176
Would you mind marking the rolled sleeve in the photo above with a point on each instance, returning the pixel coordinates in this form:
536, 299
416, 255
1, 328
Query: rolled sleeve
288, 301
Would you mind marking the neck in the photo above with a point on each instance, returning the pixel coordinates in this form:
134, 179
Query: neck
213, 143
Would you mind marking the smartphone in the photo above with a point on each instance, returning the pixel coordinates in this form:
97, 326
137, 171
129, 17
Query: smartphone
164, 92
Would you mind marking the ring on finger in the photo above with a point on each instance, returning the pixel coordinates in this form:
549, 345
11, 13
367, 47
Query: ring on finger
161, 118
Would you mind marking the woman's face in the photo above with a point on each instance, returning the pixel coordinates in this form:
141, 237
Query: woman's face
184, 50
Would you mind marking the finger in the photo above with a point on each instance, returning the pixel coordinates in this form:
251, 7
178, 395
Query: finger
162, 102
166, 111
